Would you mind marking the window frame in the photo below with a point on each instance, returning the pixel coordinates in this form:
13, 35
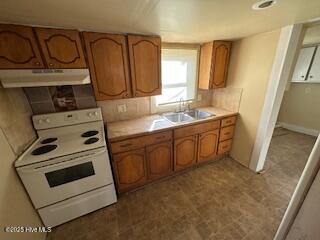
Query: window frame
191, 46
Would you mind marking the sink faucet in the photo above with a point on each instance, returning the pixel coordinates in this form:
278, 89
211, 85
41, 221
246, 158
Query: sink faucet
181, 103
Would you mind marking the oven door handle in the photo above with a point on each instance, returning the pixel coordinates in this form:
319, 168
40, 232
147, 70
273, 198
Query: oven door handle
67, 163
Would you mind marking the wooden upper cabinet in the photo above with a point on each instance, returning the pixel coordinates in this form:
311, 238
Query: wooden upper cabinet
145, 64
130, 169
185, 152
18, 48
108, 63
159, 160
205, 65
214, 62
61, 48
207, 145
220, 62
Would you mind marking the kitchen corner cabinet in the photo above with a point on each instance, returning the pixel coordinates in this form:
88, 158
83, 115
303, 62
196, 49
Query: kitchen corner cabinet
109, 66
130, 169
214, 62
145, 65
185, 152
61, 48
18, 48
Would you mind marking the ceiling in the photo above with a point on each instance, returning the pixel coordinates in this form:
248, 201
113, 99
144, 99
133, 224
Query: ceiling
174, 20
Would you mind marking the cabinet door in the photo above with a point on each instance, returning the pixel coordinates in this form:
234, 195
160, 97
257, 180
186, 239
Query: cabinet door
145, 62
185, 152
108, 63
61, 48
207, 145
220, 62
205, 66
303, 63
130, 169
314, 74
18, 48
159, 160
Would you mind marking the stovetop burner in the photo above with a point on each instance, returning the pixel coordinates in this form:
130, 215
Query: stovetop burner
44, 149
48, 140
91, 140
89, 133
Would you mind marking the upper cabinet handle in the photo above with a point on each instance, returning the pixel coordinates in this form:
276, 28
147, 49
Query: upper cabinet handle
311, 76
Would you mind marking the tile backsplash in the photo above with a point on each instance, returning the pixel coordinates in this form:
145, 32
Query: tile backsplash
60, 98
227, 98
138, 107
15, 119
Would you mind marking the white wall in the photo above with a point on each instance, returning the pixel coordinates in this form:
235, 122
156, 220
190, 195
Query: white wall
301, 106
250, 68
16, 133
306, 224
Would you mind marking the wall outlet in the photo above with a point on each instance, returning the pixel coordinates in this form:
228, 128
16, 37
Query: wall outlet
122, 108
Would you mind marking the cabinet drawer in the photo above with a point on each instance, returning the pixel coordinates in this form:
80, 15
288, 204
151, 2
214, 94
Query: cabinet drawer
140, 142
226, 133
127, 145
196, 129
157, 137
228, 121
224, 146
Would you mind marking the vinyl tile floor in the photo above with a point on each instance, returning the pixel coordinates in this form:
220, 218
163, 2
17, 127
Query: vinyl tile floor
221, 200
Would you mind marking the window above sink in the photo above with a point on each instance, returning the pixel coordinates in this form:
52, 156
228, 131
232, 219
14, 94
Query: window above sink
179, 73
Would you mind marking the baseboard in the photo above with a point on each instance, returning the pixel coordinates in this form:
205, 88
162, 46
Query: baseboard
299, 129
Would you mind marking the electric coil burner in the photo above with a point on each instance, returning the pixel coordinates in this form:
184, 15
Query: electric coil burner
91, 140
89, 133
48, 140
44, 149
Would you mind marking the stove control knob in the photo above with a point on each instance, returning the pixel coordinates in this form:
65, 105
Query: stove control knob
47, 120
96, 113
90, 114
40, 121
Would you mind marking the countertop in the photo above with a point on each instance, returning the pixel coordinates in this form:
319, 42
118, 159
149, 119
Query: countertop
154, 123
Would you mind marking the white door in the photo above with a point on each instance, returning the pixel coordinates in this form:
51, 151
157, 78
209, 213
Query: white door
303, 63
314, 74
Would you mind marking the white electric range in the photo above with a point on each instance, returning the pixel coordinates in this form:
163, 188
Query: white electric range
66, 171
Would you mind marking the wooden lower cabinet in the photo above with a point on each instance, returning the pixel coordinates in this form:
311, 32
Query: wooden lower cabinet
130, 169
159, 160
207, 145
185, 152
224, 147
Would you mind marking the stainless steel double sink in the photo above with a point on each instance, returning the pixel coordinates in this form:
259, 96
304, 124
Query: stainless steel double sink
187, 116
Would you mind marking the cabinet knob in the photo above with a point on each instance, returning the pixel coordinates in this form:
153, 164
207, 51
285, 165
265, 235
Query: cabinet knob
302, 76
37, 63
311, 76
50, 64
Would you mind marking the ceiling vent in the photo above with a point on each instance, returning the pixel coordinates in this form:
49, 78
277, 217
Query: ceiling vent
264, 4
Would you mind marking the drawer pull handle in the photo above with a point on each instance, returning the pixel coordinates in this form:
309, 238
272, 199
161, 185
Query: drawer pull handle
226, 133
229, 121
126, 145
224, 147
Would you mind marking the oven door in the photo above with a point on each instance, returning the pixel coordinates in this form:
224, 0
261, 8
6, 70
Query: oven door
59, 179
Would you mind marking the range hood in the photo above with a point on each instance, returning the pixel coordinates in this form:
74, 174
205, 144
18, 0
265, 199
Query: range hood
43, 77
